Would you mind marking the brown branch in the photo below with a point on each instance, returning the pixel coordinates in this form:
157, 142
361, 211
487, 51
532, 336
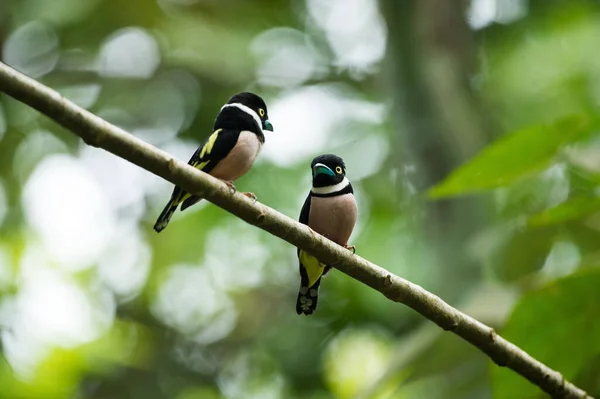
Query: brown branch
99, 133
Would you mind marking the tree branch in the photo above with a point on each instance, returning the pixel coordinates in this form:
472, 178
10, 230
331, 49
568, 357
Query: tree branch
99, 133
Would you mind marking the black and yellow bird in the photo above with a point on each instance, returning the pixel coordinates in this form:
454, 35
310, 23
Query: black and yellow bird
228, 153
330, 210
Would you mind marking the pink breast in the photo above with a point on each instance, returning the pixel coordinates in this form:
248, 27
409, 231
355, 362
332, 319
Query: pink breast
333, 217
240, 158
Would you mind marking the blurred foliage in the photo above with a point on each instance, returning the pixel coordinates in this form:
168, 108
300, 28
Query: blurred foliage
572, 302
516, 156
471, 138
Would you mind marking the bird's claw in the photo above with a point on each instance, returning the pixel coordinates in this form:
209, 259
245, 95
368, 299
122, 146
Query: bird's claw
231, 186
252, 196
351, 248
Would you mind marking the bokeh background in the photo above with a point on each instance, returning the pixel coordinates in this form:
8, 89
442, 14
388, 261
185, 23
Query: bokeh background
94, 304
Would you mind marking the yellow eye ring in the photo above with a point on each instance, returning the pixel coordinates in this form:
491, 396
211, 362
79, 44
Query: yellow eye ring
261, 112
338, 170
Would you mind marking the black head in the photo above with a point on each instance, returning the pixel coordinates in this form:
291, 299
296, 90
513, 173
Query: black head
245, 111
327, 170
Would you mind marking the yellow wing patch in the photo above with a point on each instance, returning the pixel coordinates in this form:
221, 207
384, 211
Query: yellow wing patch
201, 165
314, 268
209, 144
182, 197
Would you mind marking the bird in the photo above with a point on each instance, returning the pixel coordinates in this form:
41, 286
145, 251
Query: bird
229, 152
329, 209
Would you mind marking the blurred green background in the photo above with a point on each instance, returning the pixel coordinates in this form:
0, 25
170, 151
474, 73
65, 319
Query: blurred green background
470, 133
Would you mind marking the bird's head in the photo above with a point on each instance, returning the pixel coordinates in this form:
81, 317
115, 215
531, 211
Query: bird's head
328, 170
244, 111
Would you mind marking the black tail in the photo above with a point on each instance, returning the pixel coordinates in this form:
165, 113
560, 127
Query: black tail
165, 215
307, 296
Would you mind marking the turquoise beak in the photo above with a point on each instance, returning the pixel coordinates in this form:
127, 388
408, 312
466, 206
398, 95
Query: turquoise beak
320, 169
267, 125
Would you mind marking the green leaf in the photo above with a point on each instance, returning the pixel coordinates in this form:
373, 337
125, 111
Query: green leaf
524, 253
514, 156
587, 239
533, 195
559, 325
572, 209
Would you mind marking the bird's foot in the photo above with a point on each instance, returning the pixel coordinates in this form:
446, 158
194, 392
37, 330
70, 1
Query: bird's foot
230, 184
351, 248
252, 196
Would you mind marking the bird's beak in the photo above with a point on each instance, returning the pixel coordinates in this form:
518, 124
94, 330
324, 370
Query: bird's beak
267, 125
320, 169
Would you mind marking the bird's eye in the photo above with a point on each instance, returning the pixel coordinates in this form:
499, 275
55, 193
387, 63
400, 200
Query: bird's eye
261, 112
338, 170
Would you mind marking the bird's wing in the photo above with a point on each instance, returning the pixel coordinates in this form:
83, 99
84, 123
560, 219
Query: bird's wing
208, 154
215, 148
313, 269
305, 212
